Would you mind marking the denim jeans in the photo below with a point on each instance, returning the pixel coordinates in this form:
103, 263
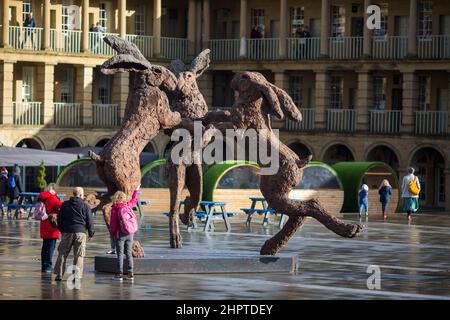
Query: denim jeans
124, 242
48, 247
364, 206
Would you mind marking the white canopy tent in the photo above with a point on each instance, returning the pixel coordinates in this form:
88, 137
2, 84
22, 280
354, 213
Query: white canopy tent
26, 157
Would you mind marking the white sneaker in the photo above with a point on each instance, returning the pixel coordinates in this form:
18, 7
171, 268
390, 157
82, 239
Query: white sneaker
111, 252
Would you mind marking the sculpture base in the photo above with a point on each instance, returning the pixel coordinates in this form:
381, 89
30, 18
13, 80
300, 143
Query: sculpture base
188, 261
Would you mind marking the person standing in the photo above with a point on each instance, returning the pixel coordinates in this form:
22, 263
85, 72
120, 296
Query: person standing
29, 23
49, 234
74, 221
14, 189
123, 225
3, 188
385, 192
364, 200
410, 193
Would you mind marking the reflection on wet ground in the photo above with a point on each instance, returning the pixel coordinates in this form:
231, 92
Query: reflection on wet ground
414, 261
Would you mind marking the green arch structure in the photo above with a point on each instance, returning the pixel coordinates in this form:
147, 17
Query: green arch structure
69, 166
151, 165
351, 174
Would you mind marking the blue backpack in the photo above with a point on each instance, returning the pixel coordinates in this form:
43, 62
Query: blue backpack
12, 182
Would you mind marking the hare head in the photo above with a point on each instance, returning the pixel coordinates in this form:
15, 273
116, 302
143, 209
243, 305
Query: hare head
253, 86
187, 77
130, 59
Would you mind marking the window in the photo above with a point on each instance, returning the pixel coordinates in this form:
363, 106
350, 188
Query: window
379, 90
257, 17
425, 16
66, 85
424, 93
337, 89
26, 9
384, 21
295, 89
337, 21
297, 18
27, 84
103, 89
103, 18
139, 20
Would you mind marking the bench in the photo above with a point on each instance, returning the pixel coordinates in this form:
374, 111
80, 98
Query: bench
29, 207
251, 211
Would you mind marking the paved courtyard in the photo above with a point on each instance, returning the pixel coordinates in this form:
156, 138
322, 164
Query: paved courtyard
414, 261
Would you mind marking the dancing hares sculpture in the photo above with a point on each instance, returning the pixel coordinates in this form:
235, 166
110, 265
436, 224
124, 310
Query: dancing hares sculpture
257, 100
146, 113
189, 102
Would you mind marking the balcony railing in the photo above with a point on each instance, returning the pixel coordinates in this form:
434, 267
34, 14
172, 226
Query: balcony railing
303, 48
307, 123
66, 114
65, 40
224, 49
389, 47
105, 115
431, 123
433, 47
27, 113
144, 43
385, 121
98, 46
263, 49
346, 48
174, 48
341, 120
25, 38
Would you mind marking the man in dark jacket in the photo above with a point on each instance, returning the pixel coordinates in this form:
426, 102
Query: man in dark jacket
74, 221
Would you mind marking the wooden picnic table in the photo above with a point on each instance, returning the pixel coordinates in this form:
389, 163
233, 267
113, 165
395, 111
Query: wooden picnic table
28, 201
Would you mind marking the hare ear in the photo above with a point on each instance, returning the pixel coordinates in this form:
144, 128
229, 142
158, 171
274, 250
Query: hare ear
124, 63
122, 46
177, 67
287, 104
200, 63
271, 105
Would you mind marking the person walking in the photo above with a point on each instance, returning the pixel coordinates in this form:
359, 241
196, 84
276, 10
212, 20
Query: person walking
74, 221
410, 193
364, 200
123, 225
3, 188
49, 234
385, 192
14, 189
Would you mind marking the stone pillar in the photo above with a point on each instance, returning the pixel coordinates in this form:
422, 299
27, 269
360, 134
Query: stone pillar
206, 24
205, 85
5, 24
281, 80
85, 26
6, 91
367, 41
410, 100
83, 92
45, 86
191, 27
322, 98
283, 29
122, 18
120, 93
325, 18
412, 29
157, 15
364, 99
46, 35
447, 189
198, 27
243, 29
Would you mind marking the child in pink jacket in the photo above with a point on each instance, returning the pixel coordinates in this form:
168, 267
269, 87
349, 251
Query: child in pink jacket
123, 241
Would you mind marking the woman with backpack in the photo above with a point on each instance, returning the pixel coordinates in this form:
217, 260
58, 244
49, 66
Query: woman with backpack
410, 193
3, 187
123, 226
49, 233
14, 189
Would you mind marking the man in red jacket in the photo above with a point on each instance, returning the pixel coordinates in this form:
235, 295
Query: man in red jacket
48, 233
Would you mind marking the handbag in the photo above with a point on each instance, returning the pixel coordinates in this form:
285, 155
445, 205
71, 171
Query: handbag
413, 188
53, 219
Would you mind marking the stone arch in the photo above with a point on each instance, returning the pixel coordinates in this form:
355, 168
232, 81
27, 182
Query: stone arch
337, 152
384, 153
68, 142
32, 143
102, 141
300, 148
150, 147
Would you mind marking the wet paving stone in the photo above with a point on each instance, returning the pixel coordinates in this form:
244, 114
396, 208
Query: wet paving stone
414, 261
